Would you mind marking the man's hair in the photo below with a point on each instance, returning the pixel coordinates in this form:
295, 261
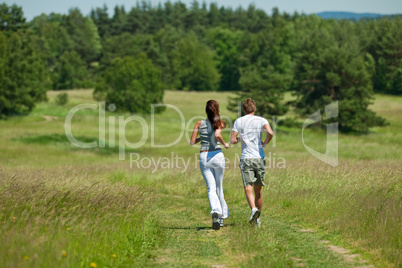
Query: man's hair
248, 106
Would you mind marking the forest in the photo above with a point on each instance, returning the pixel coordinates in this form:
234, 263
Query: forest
131, 57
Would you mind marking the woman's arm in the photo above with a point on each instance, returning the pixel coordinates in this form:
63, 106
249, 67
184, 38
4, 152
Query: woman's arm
194, 139
218, 136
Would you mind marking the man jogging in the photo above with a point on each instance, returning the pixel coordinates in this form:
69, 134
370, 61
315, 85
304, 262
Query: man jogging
252, 160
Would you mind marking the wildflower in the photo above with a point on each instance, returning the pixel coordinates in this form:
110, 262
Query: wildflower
13, 218
93, 265
64, 253
114, 255
68, 229
26, 257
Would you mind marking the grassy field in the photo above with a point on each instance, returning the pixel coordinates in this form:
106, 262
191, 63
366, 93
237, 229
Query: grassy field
65, 206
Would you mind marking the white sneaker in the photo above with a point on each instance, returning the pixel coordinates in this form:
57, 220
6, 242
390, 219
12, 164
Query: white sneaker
255, 213
221, 222
215, 221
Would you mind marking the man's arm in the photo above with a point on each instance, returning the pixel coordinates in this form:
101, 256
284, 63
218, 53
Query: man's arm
233, 138
270, 134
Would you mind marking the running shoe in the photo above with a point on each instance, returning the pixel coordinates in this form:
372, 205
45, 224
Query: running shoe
215, 221
255, 213
221, 222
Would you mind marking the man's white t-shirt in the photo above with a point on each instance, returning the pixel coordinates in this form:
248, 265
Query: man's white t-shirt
250, 128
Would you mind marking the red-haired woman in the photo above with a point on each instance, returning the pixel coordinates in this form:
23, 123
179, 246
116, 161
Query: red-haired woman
212, 161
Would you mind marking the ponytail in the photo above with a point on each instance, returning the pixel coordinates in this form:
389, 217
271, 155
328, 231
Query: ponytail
212, 110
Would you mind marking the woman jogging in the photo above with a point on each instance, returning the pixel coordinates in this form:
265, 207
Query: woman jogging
212, 161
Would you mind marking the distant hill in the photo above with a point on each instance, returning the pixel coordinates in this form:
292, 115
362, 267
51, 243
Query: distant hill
348, 15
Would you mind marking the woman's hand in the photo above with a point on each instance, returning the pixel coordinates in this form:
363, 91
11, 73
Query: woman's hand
219, 138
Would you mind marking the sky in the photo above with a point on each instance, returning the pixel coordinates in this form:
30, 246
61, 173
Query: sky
34, 8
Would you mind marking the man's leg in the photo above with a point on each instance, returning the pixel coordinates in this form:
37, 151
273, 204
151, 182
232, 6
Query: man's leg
248, 176
258, 196
255, 212
250, 196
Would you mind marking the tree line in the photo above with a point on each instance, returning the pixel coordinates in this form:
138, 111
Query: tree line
202, 47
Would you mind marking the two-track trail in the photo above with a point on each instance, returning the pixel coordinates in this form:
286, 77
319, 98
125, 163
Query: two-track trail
188, 239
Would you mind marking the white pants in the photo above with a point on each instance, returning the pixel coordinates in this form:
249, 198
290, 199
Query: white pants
212, 165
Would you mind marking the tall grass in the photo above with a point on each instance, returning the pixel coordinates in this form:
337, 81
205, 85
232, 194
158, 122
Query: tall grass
360, 202
68, 207
73, 217
357, 206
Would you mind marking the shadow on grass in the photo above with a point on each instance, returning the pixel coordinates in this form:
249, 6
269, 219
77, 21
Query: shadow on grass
194, 228
188, 228
61, 140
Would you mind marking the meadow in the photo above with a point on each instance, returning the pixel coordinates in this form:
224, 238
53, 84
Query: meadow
65, 206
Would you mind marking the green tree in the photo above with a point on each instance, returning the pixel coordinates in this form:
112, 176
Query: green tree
11, 18
132, 84
128, 44
140, 18
118, 21
167, 39
53, 41
159, 19
266, 69
193, 16
257, 19
194, 65
331, 67
178, 15
213, 15
388, 54
52, 35
101, 19
84, 35
71, 72
226, 45
23, 76
132, 45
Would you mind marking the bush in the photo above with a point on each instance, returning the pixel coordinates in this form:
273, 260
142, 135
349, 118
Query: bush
131, 85
61, 99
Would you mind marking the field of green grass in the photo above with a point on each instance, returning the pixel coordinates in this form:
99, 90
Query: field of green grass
64, 206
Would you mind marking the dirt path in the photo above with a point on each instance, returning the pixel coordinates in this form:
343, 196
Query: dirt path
190, 241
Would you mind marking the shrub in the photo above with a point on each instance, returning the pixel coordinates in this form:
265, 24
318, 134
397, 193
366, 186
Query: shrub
61, 99
131, 84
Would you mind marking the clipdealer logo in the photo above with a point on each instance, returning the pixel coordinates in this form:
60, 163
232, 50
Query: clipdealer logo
330, 157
